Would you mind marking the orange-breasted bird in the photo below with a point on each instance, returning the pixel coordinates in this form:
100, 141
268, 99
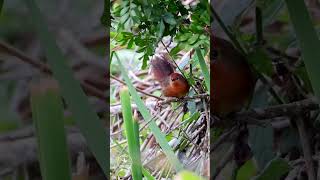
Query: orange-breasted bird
233, 81
172, 84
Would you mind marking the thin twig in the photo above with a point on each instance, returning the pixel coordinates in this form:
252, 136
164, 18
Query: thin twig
228, 157
221, 139
170, 100
281, 54
139, 90
280, 110
45, 69
305, 144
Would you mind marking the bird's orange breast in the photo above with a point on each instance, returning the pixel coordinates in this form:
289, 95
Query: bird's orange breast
232, 78
231, 88
177, 89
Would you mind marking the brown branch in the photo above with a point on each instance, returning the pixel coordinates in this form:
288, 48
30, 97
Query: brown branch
280, 110
219, 167
22, 56
139, 90
221, 139
281, 54
95, 40
170, 100
20, 147
305, 144
45, 69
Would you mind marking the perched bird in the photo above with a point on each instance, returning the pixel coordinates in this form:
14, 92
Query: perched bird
232, 80
172, 84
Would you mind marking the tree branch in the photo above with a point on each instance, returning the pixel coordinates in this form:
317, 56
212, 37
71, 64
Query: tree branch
45, 69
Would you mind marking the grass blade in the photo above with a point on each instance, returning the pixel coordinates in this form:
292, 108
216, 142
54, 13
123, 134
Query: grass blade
204, 69
132, 134
1, 5
147, 174
87, 120
47, 113
160, 137
105, 17
308, 40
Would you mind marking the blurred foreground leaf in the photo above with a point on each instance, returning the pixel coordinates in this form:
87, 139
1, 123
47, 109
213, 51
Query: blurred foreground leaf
87, 120
132, 133
47, 113
308, 40
274, 170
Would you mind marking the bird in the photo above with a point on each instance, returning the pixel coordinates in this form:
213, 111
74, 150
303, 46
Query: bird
233, 80
172, 84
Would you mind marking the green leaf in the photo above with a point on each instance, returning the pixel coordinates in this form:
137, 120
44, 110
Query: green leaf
193, 117
308, 40
274, 170
188, 175
303, 74
141, 49
193, 39
261, 140
87, 120
169, 18
105, 18
124, 18
185, 37
261, 61
147, 174
47, 113
124, 10
204, 69
270, 10
1, 5
144, 62
176, 49
132, 134
161, 27
247, 171
130, 43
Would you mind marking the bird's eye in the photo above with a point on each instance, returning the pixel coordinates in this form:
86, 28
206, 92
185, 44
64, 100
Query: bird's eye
175, 78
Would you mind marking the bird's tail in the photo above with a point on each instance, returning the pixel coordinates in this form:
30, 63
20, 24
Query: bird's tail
161, 68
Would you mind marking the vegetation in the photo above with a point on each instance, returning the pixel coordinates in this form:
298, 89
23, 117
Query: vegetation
55, 123
280, 42
140, 30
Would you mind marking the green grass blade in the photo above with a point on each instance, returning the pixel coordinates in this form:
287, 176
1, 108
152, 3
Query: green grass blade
133, 140
105, 18
87, 120
259, 26
147, 174
1, 5
47, 113
308, 40
275, 169
160, 137
188, 175
204, 69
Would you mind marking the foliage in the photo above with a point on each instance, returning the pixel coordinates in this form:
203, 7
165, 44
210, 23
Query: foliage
132, 132
281, 45
143, 24
140, 29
